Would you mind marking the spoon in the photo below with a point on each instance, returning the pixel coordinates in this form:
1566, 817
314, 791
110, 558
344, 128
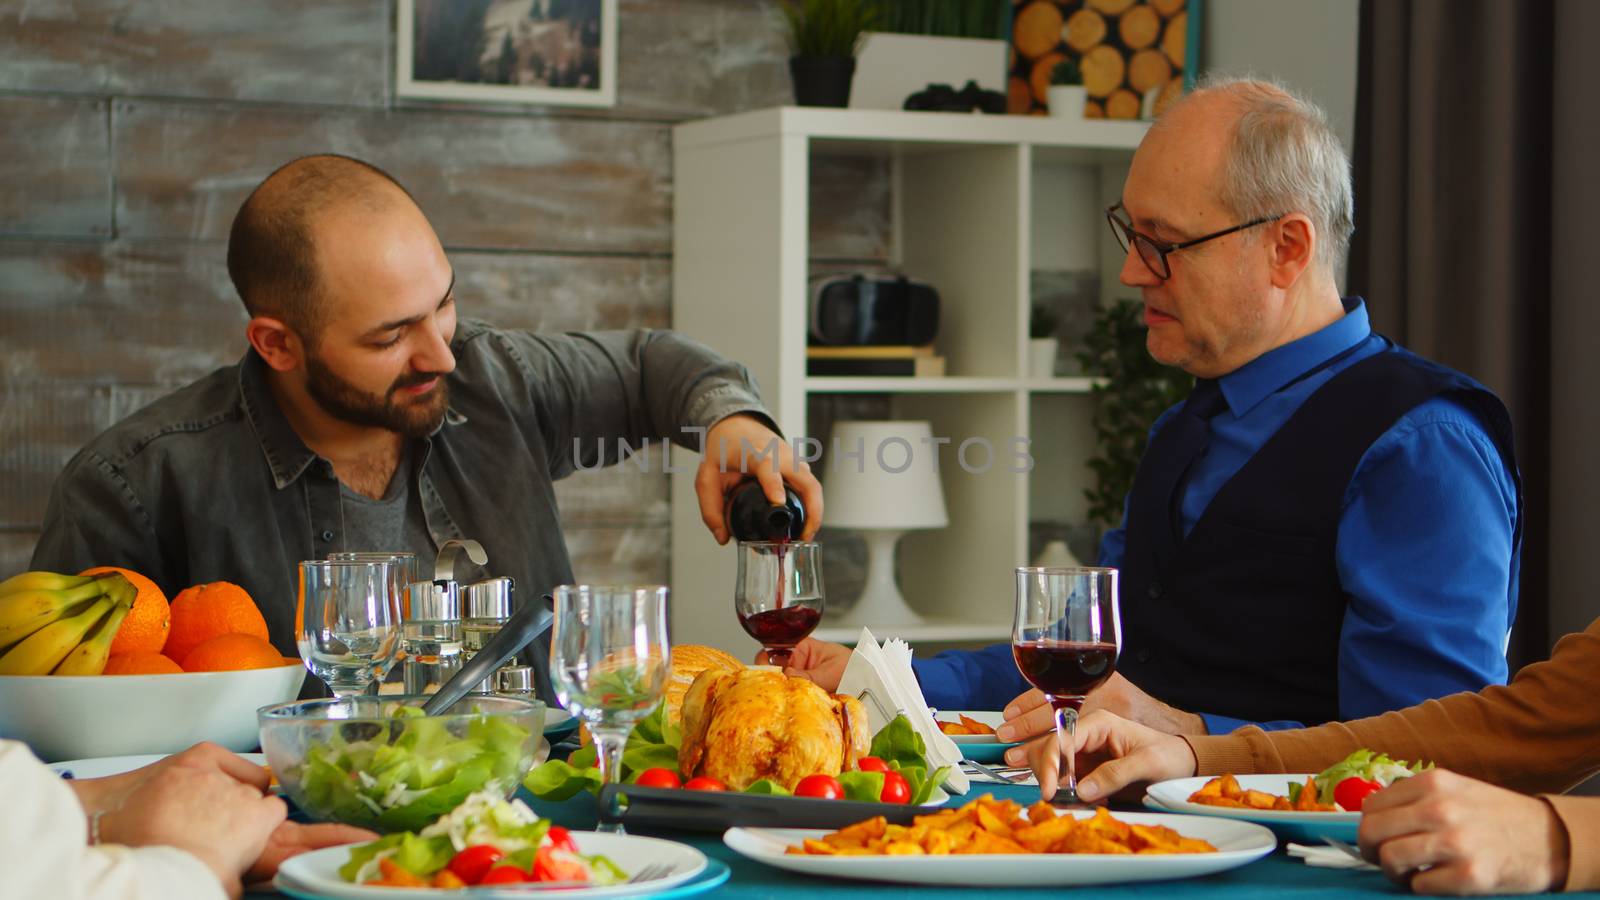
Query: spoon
526, 624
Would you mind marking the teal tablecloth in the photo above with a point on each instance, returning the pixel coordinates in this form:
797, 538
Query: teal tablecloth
1276, 876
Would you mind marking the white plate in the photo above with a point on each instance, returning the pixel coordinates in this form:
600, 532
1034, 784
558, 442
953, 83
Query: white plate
116, 765
1173, 796
1237, 843
317, 873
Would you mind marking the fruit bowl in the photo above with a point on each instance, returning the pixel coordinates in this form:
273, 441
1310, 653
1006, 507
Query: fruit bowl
81, 717
379, 763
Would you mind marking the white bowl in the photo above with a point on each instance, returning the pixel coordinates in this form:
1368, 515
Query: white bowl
89, 716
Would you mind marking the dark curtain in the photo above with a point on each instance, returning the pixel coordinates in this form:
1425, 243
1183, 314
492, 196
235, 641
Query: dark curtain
1475, 227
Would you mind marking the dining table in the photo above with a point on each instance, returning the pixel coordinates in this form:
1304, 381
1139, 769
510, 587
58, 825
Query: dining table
1275, 876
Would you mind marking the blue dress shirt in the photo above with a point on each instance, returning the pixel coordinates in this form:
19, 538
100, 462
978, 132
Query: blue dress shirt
1426, 543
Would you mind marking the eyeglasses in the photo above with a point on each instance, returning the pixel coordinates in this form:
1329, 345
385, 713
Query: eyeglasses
1154, 252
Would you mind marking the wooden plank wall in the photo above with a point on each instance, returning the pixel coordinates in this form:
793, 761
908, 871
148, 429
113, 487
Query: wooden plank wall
133, 129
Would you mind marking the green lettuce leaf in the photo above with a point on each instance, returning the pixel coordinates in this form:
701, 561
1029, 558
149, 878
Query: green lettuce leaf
767, 787
556, 780
1364, 764
866, 787
898, 742
418, 855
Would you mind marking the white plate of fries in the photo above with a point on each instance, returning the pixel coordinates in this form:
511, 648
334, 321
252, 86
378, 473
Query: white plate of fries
989, 843
1294, 825
976, 738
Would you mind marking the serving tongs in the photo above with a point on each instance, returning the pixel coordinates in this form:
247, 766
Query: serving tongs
642, 807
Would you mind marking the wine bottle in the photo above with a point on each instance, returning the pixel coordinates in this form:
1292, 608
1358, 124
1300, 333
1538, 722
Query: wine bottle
752, 517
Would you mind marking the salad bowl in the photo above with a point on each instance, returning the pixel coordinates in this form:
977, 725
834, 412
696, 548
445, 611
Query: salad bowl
378, 762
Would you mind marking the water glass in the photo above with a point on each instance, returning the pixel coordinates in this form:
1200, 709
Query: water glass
347, 621
778, 594
609, 661
1065, 639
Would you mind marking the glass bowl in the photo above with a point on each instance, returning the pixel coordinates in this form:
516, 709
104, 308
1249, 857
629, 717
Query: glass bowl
378, 762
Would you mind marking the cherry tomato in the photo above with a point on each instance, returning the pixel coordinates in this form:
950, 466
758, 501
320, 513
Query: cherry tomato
505, 875
704, 783
822, 787
554, 865
561, 839
658, 778
1352, 792
895, 788
871, 764
472, 863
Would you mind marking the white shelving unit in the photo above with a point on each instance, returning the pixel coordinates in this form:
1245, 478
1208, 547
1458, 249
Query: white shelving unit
978, 202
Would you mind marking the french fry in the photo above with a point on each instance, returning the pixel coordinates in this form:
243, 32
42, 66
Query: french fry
989, 826
973, 726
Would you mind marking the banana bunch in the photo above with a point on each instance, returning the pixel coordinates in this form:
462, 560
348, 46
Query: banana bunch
54, 624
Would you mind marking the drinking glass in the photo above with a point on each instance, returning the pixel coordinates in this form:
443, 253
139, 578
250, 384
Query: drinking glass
778, 594
1065, 639
609, 661
412, 644
348, 621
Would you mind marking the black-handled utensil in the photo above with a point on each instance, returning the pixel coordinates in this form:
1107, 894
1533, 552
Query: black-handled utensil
719, 810
524, 625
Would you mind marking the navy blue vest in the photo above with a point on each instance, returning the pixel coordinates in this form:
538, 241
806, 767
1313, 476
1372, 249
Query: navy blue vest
1244, 619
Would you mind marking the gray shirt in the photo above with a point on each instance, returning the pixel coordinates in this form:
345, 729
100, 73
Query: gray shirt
212, 484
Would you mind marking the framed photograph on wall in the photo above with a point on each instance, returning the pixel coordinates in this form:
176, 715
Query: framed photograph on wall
1135, 57
560, 52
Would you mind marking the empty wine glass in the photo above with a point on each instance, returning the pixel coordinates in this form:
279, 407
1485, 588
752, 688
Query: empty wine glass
609, 660
778, 594
1065, 639
347, 621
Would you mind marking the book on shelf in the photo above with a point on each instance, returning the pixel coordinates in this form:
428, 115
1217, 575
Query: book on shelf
903, 361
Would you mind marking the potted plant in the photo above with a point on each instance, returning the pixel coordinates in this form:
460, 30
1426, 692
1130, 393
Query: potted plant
1067, 95
1042, 342
1132, 392
823, 38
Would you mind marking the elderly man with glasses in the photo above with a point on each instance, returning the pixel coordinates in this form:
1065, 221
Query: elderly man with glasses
1330, 526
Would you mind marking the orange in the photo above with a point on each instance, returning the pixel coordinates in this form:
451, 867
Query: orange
229, 652
141, 664
204, 611
145, 629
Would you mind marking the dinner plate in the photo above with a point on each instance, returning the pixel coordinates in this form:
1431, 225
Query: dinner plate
1173, 796
116, 765
1237, 843
316, 874
984, 748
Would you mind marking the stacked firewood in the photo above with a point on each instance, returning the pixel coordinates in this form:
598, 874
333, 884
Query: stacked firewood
1131, 53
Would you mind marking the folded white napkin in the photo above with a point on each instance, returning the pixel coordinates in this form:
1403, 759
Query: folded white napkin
1327, 857
881, 678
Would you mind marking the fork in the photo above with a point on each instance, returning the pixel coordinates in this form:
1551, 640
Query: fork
1348, 850
650, 873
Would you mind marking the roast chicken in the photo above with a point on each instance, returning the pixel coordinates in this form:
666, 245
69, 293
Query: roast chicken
740, 727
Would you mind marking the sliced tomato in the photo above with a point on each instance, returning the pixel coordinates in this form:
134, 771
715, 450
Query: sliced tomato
472, 863
704, 783
871, 764
1352, 792
895, 788
824, 787
555, 865
505, 875
561, 839
658, 778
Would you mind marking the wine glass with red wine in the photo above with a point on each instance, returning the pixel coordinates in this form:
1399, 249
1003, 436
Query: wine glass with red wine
779, 594
1065, 640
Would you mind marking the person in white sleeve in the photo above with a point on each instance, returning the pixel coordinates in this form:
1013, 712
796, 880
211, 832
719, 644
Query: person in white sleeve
195, 825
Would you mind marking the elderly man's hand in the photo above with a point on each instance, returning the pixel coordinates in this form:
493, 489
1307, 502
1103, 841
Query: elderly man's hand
818, 661
1111, 754
1443, 833
108, 793
222, 822
1030, 715
734, 448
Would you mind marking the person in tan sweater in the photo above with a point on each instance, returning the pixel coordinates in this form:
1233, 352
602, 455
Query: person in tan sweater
1471, 822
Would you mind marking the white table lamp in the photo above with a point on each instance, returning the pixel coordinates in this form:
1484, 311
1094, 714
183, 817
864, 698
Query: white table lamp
892, 486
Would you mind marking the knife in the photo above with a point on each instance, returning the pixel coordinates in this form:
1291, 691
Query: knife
640, 807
